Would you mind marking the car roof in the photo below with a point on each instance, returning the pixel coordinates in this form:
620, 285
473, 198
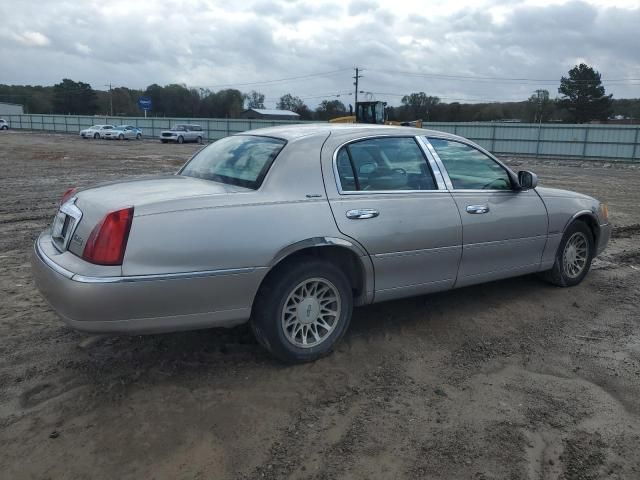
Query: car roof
295, 131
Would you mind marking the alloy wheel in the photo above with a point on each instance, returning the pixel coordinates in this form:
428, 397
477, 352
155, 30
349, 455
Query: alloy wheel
575, 255
311, 312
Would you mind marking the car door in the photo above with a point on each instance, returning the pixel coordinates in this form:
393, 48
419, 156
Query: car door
504, 228
385, 194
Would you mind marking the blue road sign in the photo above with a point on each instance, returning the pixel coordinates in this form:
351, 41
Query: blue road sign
144, 103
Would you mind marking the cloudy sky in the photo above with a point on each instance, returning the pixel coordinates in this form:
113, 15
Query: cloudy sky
459, 50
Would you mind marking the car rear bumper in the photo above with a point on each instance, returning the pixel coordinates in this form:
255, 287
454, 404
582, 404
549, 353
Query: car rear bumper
145, 304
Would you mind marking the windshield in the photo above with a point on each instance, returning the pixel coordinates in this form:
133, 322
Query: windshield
239, 160
179, 128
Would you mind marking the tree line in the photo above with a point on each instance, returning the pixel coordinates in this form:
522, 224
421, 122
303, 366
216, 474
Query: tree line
582, 99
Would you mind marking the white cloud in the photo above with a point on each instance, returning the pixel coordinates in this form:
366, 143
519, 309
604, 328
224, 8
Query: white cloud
215, 43
32, 39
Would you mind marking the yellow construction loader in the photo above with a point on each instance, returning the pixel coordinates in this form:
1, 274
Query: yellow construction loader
375, 113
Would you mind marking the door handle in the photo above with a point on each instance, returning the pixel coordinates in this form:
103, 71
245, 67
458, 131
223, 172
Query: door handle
362, 213
476, 209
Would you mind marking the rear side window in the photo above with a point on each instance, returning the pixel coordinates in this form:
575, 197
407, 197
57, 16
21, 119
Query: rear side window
469, 168
381, 164
242, 160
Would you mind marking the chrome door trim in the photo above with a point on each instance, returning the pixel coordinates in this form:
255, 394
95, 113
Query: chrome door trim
464, 141
336, 176
438, 162
477, 209
362, 213
435, 168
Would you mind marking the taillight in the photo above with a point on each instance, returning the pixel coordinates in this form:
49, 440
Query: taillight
108, 240
67, 195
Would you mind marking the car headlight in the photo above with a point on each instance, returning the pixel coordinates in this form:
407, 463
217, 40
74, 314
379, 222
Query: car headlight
604, 211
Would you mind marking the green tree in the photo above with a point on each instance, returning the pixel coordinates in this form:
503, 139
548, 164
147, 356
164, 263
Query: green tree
254, 99
418, 105
539, 107
77, 98
584, 95
329, 109
294, 104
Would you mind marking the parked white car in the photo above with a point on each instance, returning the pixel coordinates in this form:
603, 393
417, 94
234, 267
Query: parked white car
4, 125
183, 133
96, 131
123, 132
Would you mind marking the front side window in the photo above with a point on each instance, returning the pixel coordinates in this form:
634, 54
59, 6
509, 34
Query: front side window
469, 168
242, 160
380, 164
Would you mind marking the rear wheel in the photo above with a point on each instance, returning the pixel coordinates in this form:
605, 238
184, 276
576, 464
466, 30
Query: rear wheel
138, 136
199, 140
121, 137
303, 310
4, 127
574, 256
96, 136
180, 139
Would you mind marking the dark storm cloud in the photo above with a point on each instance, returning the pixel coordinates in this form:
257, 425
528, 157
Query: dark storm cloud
211, 44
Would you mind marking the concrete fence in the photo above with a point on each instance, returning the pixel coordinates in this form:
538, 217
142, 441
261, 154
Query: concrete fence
613, 142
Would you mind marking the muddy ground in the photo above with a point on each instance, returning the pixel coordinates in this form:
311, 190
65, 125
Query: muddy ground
511, 380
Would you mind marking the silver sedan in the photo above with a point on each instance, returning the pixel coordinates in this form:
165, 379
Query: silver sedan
291, 227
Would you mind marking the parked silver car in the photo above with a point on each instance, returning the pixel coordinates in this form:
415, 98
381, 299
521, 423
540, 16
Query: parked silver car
96, 131
4, 125
183, 133
290, 227
123, 132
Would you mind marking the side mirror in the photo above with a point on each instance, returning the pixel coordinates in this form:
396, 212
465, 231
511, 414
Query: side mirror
527, 180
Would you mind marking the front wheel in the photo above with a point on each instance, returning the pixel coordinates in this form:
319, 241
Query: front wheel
180, 140
303, 310
199, 140
138, 136
96, 136
121, 137
574, 256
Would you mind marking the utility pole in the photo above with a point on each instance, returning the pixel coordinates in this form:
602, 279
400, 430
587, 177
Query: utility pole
357, 77
110, 99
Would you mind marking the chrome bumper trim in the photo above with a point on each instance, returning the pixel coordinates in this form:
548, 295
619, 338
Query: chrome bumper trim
137, 278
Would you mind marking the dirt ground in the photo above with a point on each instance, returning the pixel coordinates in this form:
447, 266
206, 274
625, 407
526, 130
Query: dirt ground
510, 380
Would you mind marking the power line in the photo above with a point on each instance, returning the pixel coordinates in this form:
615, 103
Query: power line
506, 79
279, 80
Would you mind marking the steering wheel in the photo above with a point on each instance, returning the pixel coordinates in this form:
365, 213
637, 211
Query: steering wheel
399, 170
488, 185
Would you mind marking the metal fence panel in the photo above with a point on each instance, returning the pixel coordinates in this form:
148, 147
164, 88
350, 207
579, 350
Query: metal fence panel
615, 142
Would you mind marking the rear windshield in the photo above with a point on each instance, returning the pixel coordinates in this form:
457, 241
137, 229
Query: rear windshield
242, 160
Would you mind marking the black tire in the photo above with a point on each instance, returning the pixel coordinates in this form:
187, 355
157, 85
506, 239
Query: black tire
138, 136
268, 309
96, 136
4, 127
199, 140
560, 275
180, 139
121, 137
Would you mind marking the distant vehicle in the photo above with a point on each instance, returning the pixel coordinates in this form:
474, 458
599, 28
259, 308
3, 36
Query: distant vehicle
289, 227
182, 133
123, 132
96, 131
4, 125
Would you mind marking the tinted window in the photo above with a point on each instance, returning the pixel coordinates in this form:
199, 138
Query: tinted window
469, 168
384, 164
239, 160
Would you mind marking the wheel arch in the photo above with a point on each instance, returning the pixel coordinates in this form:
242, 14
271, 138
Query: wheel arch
588, 217
347, 255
